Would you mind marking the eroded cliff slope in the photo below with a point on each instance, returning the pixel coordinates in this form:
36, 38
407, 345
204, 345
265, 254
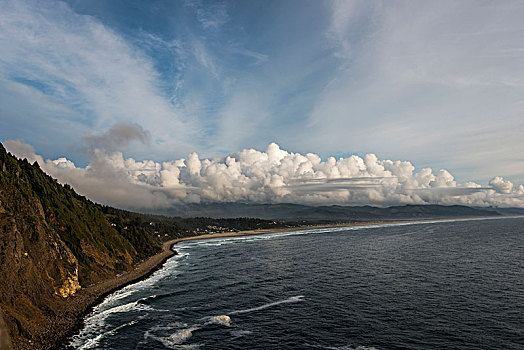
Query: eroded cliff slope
52, 243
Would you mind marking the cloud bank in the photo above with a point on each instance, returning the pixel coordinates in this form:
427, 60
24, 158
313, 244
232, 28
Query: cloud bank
269, 176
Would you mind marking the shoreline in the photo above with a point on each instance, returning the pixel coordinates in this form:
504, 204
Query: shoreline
91, 296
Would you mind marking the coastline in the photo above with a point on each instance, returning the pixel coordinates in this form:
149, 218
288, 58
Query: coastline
76, 307
89, 297
82, 303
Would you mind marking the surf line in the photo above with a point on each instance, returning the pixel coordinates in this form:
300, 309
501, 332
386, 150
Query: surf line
294, 299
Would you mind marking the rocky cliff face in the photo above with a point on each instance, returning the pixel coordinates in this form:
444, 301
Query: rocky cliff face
52, 242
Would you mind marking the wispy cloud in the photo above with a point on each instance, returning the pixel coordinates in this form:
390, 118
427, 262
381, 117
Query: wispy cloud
211, 15
86, 67
421, 79
258, 58
204, 58
440, 83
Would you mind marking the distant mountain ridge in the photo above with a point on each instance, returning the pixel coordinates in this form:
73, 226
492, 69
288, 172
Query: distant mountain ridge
292, 212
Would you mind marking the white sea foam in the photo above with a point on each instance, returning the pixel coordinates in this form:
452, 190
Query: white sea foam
212, 244
93, 342
224, 320
90, 343
294, 299
98, 319
95, 325
240, 333
180, 336
174, 340
167, 327
168, 269
120, 294
124, 308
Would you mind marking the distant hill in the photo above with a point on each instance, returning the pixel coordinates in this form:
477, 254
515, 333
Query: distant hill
294, 212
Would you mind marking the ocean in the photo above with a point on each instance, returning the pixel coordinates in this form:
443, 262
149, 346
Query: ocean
457, 284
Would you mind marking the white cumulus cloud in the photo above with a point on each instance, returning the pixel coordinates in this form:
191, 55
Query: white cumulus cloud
269, 176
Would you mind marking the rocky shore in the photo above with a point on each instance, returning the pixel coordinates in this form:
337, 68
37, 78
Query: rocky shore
81, 303
71, 310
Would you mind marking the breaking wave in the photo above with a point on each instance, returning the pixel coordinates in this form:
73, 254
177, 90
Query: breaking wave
96, 321
184, 332
93, 342
173, 340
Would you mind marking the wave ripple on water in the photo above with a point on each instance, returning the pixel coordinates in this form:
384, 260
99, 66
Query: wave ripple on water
456, 284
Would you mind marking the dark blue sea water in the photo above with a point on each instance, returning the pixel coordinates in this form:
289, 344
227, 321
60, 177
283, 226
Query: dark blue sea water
446, 285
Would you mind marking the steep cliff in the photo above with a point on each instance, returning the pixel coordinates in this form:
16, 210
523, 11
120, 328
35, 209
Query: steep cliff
53, 242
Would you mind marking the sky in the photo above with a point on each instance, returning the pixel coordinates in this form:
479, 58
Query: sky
113, 94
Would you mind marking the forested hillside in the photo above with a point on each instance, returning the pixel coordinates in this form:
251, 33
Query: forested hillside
52, 243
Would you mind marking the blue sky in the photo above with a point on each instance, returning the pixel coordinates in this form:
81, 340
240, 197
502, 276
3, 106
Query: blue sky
440, 84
